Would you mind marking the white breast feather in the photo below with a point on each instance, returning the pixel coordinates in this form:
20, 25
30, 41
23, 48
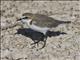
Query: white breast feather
39, 29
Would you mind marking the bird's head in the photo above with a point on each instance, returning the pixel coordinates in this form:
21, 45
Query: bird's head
29, 15
27, 18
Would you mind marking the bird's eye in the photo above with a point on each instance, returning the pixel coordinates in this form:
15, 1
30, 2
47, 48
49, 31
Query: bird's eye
25, 18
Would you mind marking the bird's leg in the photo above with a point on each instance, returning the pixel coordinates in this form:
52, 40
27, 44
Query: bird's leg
35, 42
45, 38
44, 41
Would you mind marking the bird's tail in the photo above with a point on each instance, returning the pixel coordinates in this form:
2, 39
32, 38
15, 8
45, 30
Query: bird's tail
63, 22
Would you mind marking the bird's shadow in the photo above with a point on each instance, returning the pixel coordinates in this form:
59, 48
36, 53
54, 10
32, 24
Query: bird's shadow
37, 36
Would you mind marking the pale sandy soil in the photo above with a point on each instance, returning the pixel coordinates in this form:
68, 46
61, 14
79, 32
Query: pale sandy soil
61, 47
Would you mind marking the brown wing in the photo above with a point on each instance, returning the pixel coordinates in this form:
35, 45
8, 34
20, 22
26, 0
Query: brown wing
44, 21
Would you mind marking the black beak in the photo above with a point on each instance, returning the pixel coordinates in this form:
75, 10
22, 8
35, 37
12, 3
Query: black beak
22, 18
19, 19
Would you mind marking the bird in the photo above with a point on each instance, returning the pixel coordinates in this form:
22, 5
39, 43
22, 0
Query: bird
40, 22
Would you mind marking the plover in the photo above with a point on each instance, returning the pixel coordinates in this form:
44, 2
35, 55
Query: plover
40, 23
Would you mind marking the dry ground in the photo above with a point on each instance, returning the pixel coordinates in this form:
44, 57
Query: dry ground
61, 47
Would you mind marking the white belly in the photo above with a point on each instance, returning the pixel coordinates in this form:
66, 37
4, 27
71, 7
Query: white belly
39, 29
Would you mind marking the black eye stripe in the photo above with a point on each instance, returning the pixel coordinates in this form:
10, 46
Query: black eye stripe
22, 18
25, 18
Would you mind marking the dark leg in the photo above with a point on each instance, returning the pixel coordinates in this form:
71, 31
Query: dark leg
35, 42
45, 38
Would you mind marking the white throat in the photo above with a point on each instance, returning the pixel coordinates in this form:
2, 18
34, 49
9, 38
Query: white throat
26, 22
